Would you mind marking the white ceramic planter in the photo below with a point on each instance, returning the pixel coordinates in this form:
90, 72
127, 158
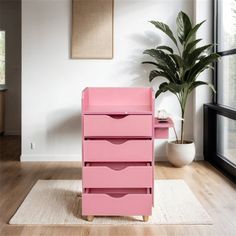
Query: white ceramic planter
180, 154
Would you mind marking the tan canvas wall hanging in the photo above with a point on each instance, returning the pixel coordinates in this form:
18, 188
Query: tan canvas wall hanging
92, 29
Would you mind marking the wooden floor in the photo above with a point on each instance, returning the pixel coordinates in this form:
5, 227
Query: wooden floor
215, 192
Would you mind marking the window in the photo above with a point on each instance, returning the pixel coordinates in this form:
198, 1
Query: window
226, 77
226, 74
226, 138
226, 21
220, 116
226, 46
2, 58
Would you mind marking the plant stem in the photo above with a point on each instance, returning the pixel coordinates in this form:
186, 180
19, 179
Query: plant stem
176, 136
183, 102
182, 128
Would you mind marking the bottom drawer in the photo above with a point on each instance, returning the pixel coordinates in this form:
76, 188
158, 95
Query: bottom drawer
116, 204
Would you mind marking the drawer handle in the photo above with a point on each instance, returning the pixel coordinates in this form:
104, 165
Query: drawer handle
117, 168
117, 117
116, 195
117, 141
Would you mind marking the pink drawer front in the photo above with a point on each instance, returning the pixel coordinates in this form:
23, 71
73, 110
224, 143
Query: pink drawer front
116, 150
118, 126
104, 204
128, 177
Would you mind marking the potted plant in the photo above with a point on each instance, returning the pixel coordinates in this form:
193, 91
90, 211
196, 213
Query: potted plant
181, 70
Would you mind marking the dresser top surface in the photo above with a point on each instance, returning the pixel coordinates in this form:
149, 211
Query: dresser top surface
116, 109
118, 101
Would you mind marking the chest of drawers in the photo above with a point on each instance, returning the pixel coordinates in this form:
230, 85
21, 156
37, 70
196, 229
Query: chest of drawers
117, 150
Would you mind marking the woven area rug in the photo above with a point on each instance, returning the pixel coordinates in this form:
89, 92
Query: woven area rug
53, 202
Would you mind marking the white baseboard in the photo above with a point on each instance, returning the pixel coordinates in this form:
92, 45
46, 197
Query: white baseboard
49, 158
64, 158
161, 158
164, 158
199, 158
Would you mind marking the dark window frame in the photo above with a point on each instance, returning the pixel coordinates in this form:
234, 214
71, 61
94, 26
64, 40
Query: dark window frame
212, 110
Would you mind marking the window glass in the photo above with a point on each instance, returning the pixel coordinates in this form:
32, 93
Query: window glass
2, 57
226, 81
226, 138
226, 25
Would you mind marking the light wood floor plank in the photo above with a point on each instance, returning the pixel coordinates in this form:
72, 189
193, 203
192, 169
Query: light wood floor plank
215, 192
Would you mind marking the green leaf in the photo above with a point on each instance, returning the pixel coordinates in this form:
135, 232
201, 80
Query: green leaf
162, 89
190, 46
203, 64
191, 34
158, 92
163, 86
169, 49
172, 87
154, 73
162, 58
176, 88
184, 26
165, 28
191, 58
199, 83
178, 60
150, 63
165, 69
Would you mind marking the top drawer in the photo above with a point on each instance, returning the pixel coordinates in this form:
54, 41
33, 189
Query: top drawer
118, 126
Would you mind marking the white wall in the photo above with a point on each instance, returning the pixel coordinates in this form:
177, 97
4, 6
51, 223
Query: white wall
52, 82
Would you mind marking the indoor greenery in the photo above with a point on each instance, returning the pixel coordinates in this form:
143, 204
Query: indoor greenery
182, 68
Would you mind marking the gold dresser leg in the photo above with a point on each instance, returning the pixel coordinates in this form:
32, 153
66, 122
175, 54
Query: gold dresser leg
145, 218
90, 218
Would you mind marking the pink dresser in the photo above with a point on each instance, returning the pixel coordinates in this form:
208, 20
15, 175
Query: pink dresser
118, 134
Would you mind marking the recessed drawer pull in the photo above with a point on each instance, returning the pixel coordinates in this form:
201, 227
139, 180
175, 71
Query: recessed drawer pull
117, 117
117, 168
117, 141
116, 195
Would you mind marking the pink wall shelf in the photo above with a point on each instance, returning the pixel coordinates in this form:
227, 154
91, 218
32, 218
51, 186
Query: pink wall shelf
161, 128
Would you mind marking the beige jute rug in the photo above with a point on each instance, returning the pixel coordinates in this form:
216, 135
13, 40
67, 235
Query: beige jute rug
53, 202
